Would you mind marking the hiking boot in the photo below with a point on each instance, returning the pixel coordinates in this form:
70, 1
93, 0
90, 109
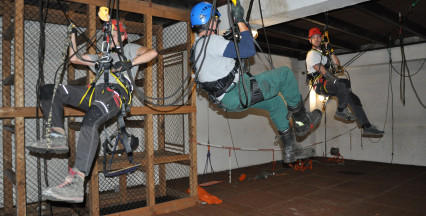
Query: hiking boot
58, 144
71, 191
311, 121
293, 151
345, 115
304, 121
372, 131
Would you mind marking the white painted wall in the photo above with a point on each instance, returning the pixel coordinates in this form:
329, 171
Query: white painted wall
370, 76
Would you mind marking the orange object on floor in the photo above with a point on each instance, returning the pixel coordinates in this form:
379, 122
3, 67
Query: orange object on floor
204, 196
242, 177
302, 165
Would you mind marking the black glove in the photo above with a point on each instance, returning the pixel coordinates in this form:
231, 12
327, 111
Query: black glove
72, 28
237, 12
123, 65
330, 77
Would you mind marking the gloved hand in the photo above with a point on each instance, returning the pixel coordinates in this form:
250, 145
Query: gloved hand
330, 77
72, 28
237, 12
123, 66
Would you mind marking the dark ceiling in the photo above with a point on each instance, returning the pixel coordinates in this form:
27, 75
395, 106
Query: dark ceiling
366, 26
362, 27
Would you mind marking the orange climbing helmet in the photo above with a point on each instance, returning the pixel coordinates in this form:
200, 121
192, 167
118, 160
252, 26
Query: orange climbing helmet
122, 27
313, 31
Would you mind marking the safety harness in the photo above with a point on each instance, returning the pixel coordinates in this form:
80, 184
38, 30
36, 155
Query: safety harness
224, 85
104, 67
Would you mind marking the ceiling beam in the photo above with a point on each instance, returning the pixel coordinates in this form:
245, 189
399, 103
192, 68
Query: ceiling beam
346, 28
303, 35
376, 10
282, 44
278, 50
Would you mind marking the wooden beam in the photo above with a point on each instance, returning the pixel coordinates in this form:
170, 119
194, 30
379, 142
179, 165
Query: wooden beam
161, 126
149, 118
30, 112
93, 201
192, 126
21, 185
7, 11
177, 48
143, 7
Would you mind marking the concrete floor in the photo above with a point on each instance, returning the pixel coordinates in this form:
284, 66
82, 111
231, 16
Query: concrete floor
353, 188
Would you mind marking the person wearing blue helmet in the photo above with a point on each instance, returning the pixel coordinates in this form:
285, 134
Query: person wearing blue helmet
217, 74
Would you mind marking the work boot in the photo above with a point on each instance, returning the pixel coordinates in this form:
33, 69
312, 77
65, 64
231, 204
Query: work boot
293, 151
304, 121
345, 115
58, 144
372, 131
71, 191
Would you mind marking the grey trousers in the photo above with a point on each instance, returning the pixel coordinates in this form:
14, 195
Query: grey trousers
345, 96
104, 104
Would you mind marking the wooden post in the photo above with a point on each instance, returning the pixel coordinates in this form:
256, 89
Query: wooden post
6, 101
21, 197
193, 181
161, 118
149, 130
71, 132
94, 180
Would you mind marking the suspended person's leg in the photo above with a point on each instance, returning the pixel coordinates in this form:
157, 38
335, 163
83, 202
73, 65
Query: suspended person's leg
65, 94
104, 107
368, 129
282, 80
277, 110
342, 92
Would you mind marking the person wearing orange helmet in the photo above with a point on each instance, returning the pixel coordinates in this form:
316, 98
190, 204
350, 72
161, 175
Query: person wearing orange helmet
319, 61
101, 101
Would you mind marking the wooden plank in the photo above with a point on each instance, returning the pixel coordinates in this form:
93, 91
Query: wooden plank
161, 127
193, 181
30, 112
177, 48
94, 179
149, 130
161, 208
21, 195
6, 102
144, 7
161, 157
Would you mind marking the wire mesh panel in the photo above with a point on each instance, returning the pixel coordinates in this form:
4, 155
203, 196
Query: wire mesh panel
45, 46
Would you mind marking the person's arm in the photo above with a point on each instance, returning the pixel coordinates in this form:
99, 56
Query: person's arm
245, 46
74, 59
140, 55
144, 55
314, 59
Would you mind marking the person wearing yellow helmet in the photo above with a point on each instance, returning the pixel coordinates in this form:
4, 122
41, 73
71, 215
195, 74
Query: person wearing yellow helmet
101, 101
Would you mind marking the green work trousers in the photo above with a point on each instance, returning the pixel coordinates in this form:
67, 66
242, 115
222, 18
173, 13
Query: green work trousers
279, 88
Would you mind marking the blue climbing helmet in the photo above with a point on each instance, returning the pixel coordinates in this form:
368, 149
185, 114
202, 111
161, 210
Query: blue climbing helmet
201, 12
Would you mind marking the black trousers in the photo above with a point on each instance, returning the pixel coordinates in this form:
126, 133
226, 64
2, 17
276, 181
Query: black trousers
104, 104
341, 89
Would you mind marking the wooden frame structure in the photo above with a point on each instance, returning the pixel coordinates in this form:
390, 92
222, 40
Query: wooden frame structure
149, 158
